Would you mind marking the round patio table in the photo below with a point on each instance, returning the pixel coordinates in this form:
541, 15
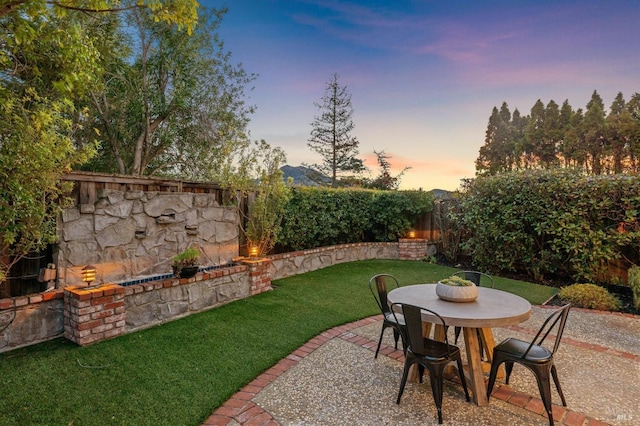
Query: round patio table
492, 308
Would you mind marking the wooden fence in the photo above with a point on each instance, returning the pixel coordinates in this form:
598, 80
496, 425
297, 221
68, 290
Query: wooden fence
425, 227
88, 184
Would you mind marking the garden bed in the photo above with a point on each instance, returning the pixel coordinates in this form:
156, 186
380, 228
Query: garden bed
623, 293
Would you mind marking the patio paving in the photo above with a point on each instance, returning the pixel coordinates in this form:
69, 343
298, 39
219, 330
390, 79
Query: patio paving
334, 380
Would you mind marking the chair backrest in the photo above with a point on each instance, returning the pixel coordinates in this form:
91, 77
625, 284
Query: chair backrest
477, 278
556, 320
378, 287
413, 325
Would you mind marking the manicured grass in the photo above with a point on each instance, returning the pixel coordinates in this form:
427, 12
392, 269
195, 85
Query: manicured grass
179, 372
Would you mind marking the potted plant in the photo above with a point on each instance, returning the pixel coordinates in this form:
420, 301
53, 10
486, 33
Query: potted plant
185, 264
456, 289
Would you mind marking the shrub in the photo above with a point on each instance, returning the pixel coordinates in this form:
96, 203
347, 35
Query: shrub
317, 217
189, 257
457, 281
548, 222
634, 283
589, 296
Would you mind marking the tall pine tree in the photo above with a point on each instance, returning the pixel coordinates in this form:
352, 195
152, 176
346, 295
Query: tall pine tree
331, 134
594, 132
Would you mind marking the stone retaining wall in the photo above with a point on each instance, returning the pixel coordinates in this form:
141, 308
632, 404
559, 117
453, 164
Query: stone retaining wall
156, 302
28, 320
32, 319
298, 262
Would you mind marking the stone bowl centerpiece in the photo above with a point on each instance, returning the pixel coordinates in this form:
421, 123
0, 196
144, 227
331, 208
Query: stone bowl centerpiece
456, 289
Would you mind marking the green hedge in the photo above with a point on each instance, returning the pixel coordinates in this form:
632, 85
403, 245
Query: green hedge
552, 222
317, 217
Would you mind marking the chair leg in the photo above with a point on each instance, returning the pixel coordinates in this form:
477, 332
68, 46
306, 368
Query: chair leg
456, 332
493, 374
379, 342
544, 386
483, 354
403, 381
463, 380
554, 374
508, 368
396, 336
436, 378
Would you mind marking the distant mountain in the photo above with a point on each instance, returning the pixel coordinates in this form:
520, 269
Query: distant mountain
442, 194
303, 175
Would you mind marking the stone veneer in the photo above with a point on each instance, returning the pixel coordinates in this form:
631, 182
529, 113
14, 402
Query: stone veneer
298, 262
156, 302
32, 319
128, 234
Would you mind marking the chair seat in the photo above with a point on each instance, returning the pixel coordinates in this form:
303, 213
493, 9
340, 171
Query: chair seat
388, 316
516, 347
434, 350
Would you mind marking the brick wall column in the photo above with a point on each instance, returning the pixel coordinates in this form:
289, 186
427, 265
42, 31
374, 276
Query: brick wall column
259, 274
93, 314
412, 248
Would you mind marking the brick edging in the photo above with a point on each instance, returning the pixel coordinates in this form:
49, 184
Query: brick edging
242, 409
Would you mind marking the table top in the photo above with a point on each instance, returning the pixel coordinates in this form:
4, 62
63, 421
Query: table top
492, 308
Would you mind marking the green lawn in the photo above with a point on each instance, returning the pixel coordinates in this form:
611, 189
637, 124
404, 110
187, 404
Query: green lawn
179, 372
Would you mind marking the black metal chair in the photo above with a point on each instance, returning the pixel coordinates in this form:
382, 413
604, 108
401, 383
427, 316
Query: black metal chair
534, 356
427, 353
480, 279
378, 287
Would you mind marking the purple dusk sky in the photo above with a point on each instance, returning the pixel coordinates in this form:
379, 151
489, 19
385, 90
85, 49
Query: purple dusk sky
425, 75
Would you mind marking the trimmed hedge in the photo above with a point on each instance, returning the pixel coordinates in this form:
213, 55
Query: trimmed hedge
318, 217
547, 222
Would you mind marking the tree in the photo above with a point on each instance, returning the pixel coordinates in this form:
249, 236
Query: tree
552, 136
39, 78
574, 147
594, 132
258, 178
331, 133
632, 131
562, 149
616, 125
518, 126
172, 106
180, 12
532, 150
496, 155
47, 61
384, 180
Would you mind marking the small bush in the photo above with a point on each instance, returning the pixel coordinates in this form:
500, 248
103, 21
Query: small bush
589, 296
634, 283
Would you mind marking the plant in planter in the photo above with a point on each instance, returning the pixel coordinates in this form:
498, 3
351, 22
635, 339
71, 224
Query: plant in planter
456, 289
185, 264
